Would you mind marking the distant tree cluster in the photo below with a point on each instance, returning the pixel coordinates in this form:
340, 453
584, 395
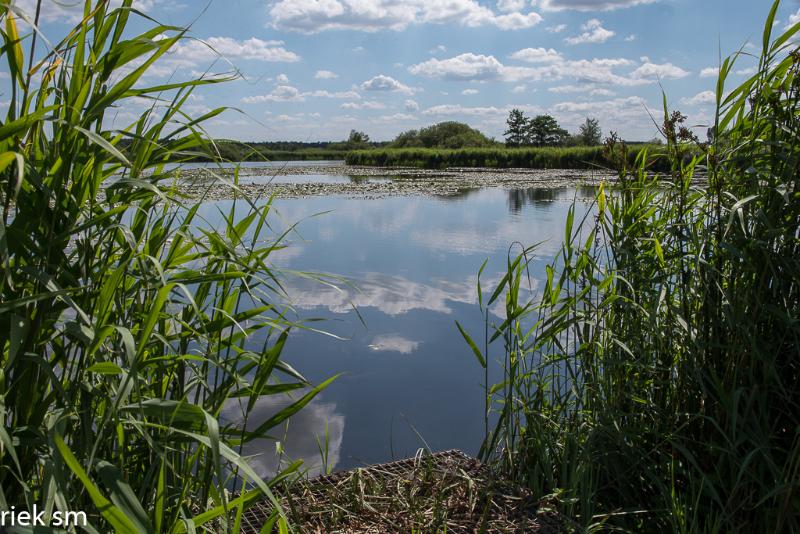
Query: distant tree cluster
449, 134
544, 130
357, 140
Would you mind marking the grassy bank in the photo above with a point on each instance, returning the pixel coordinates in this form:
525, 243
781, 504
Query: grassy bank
499, 158
654, 383
235, 151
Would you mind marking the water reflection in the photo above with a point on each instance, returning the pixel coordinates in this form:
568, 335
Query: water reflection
300, 437
537, 197
390, 294
393, 343
542, 197
413, 263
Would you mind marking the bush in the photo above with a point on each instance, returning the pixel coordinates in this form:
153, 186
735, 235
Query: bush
449, 134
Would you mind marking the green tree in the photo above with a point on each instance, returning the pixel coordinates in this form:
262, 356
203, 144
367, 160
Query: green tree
544, 130
517, 133
448, 134
452, 134
407, 139
357, 140
590, 133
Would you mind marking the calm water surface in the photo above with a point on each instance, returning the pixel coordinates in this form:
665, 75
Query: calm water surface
409, 380
255, 164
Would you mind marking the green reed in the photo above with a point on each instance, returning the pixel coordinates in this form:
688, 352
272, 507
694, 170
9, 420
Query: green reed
124, 316
653, 384
501, 158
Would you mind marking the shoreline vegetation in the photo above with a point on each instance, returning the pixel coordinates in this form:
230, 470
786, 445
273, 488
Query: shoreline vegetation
594, 158
136, 340
388, 156
653, 385
498, 156
532, 143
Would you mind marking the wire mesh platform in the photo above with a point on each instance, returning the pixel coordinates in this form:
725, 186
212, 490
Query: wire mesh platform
447, 490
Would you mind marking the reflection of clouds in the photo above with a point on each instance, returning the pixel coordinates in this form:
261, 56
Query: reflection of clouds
475, 226
386, 223
393, 343
298, 435
327, 233
396, 295
485, 237
391, 294
283, 257
382, 217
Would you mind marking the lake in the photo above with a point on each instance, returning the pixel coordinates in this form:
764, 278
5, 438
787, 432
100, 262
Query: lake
409, 380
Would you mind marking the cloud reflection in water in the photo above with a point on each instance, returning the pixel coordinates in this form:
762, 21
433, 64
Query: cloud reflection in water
394, 294
298, 435
393, 343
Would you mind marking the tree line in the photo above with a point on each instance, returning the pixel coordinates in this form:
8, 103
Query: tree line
544, 130
538, 131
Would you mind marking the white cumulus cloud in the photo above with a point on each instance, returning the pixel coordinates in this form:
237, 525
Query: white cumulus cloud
382, 82
558, 28
589, 5
227, 47
590, 89
288, 93
363, 105
593, 32
282, 93
479, 67
537, 55
325, 75
411, 105
466, 66
706, 97
457, 109
666, 71
793, 19
312, 16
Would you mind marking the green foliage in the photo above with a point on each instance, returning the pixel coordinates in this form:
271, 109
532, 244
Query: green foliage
589, 133
517, 133
273, 151
407, 139
357, 140
539, 131
499, 158
128, 326
653, 384
449, 134
543, 130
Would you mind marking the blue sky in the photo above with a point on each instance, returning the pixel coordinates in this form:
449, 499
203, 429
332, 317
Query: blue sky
315, 69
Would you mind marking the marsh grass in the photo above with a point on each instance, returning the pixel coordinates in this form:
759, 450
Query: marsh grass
501, 158
125, 318
654, 383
